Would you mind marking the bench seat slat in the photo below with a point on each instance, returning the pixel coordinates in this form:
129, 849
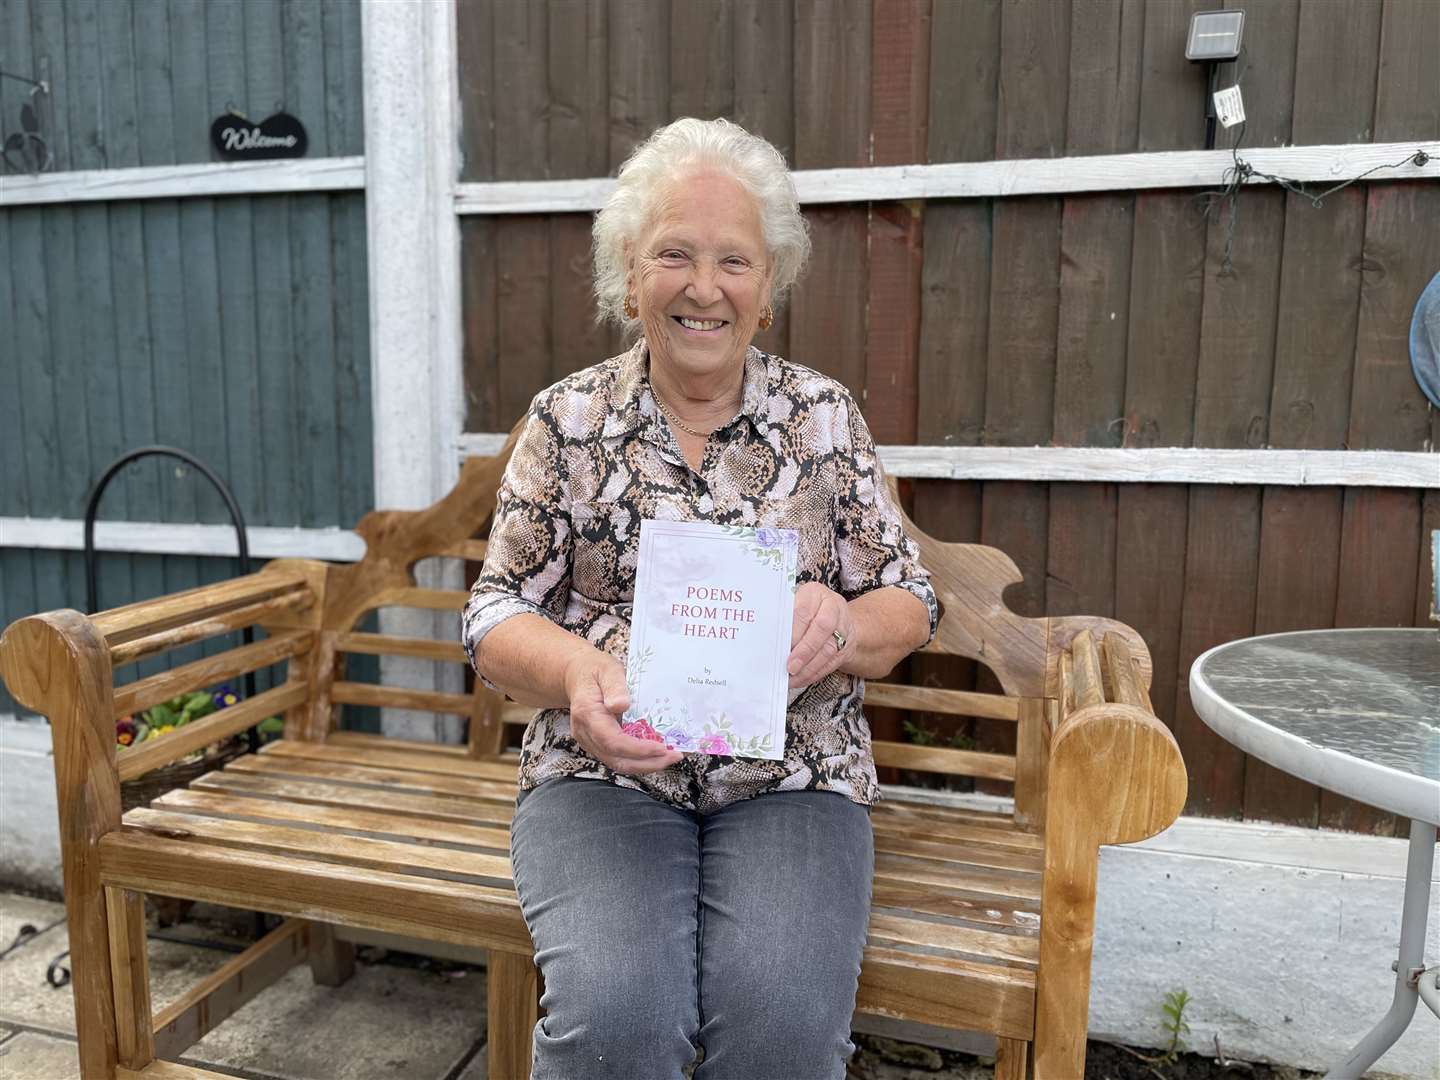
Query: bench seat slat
406, 859
973, 911
961, 854
409, 746
1008, 839
394, 759
895, 808
316, 792
419, 783
967, 880
950, 993
979, 946
352, 820
459, 913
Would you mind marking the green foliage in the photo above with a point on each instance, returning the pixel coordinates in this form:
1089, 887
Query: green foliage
922, 734
1174, 1023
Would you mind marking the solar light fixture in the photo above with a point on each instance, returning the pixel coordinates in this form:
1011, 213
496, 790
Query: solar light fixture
1214, 36
1214, 40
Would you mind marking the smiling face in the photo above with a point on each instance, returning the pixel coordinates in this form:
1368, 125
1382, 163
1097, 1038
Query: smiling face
700, 277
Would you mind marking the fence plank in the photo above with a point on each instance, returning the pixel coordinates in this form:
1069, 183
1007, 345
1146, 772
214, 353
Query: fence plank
828, 317
832, 50
579, 89
898, 109
1266, 74
478, 289
764, 50
639, 72
1237, 338
1150, 539
235, 273
1107, 40
521, 62
474, 26
1172, 89
577, 341
1406, 105
1093, 322
964, 80
701, 59
1381, 550
1221, 561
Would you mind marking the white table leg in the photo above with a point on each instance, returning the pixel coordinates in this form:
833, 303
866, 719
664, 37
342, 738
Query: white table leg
1412, 957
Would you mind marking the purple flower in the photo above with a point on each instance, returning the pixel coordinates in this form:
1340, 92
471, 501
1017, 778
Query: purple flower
769, 538
679, 739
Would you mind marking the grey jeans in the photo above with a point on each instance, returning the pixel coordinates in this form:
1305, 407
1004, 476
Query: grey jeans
661, 931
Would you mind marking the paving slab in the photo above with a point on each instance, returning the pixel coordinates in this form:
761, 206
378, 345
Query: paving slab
33, 1056
478, 1068
16, 911
27, 998
385, 1022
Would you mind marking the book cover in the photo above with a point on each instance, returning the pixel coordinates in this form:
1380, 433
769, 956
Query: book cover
709, 637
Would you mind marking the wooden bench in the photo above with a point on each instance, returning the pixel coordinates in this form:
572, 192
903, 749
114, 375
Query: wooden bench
981, 921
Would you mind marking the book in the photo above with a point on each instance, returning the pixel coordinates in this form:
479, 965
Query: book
709, 637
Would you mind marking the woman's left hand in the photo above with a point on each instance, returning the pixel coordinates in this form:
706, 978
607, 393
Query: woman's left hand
815, 650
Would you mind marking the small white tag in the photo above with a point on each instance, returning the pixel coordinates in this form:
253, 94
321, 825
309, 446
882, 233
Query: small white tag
1229, 108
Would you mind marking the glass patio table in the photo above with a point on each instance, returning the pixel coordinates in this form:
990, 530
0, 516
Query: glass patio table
1356, 712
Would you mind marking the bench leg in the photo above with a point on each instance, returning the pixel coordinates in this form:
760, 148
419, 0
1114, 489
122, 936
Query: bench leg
332, 961
513, 1009
130, 978
1010, 1059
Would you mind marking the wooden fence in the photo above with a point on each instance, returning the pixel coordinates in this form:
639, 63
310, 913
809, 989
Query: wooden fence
234, 327
1124, 319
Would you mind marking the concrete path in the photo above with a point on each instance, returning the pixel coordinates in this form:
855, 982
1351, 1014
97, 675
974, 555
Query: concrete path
398, 1020
389, 1021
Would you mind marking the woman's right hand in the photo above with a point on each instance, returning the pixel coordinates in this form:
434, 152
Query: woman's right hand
598, 699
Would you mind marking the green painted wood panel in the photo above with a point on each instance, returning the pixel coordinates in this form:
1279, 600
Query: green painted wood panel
138, 82
236, 328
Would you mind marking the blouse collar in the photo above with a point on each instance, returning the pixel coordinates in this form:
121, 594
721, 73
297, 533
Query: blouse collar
632, 401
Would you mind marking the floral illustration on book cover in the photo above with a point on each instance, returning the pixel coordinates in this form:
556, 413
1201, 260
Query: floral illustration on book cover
710, 634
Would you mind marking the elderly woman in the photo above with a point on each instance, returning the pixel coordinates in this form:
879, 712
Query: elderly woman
693, 905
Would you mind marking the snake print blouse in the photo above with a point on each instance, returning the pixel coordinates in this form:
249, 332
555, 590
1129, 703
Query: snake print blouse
596, 457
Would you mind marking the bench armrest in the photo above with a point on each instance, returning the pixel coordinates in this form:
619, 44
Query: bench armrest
1115, 777
61, 663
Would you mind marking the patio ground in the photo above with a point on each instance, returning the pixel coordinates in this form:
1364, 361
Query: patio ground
401, 1016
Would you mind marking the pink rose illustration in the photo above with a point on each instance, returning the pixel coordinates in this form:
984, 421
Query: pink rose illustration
639, 729
713, 744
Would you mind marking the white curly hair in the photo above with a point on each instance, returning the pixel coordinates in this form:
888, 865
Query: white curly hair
685, 146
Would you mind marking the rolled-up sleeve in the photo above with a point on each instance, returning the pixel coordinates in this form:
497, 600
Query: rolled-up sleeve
872, 547
527, 562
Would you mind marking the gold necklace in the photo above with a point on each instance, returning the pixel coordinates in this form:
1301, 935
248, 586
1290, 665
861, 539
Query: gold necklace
680, 423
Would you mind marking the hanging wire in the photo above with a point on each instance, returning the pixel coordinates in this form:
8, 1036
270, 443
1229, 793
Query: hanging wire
1226, 199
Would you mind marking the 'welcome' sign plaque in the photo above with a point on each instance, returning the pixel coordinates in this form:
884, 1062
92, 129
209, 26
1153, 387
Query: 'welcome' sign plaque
238, 139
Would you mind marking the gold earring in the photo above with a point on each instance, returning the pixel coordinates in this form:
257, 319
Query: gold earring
631, 311
767, 317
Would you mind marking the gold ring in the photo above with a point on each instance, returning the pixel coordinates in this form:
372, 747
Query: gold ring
839, 640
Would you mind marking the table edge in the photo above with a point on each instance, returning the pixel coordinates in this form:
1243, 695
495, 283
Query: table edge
1369, 782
